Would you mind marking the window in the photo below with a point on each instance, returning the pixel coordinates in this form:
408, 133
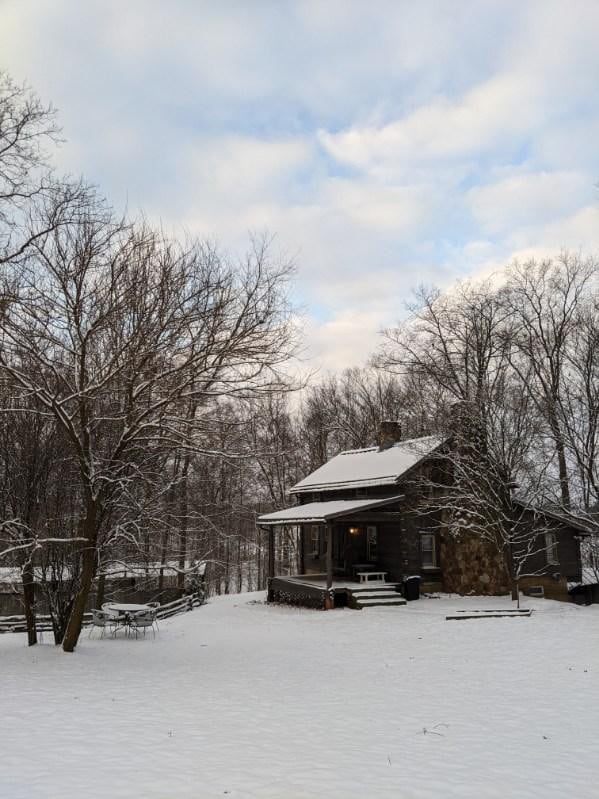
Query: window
428, 551
316, 496
371, 543
551, 549
361, 493
315, 540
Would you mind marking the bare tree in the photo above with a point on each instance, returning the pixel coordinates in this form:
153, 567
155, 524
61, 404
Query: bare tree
344, 412
126, 331
27, 129
485, 473
544, 300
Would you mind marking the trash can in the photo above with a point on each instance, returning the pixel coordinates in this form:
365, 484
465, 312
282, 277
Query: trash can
411, 587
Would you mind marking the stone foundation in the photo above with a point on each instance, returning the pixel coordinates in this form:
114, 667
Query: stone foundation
554, 589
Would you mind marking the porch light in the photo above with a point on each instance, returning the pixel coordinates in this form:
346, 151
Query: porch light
354, 530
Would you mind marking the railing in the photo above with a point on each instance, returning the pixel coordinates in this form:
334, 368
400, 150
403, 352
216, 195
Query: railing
294, 592
182, 605
43, 623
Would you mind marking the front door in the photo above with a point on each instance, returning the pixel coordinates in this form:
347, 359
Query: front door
339, 543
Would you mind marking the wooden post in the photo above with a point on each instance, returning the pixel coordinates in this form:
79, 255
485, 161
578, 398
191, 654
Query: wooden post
271, 551
329, 604
302, 547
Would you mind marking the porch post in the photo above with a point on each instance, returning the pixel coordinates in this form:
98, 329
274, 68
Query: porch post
271, 551
302, 547
329, 604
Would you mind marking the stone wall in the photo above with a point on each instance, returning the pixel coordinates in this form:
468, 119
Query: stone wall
472, 566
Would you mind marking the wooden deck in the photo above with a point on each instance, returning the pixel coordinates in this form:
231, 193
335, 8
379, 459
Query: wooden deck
309, 590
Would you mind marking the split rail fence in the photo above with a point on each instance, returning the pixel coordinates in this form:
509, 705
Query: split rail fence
17, 624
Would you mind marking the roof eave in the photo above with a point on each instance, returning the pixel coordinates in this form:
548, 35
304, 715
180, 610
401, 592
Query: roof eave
368, 505
339, 486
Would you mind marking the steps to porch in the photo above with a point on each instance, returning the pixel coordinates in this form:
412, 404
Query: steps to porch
371, 595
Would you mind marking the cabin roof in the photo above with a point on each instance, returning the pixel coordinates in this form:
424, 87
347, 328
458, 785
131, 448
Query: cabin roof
361, 468
320, 512
583, 525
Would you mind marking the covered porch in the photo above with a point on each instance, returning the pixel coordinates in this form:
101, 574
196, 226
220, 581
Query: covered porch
347, 547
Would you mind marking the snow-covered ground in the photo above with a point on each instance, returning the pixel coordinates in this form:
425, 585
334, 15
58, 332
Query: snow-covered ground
245, 700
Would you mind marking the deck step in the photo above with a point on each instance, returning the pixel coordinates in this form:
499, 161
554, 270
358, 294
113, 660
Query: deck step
359, 596
380, 601
370, 587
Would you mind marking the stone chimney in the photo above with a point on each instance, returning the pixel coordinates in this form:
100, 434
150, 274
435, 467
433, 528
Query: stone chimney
389, 434
466, 428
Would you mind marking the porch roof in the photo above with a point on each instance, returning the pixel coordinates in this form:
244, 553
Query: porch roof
323, 511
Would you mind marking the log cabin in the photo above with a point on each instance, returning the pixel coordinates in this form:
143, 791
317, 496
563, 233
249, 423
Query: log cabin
365, 541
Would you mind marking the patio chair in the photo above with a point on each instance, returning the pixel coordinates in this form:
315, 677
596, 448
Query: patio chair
101, 619
155, 607
143, 620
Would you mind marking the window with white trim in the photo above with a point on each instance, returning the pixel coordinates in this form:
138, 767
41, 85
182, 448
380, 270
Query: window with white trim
371, 543
428, 551
551, 555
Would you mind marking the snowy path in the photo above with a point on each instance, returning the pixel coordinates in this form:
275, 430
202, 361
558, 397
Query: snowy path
244, 700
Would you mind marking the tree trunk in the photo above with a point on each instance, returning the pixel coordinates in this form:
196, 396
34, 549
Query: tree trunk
75, 623
563, 473
29, 603
88, 571
101, 590
163, 546
183, 528
562, 465
511, 573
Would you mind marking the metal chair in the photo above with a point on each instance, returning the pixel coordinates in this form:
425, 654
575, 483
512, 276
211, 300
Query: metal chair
155, 607
102, 619
143, 620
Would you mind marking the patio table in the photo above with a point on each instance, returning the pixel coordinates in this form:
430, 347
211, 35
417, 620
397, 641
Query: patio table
122, 612
124, 607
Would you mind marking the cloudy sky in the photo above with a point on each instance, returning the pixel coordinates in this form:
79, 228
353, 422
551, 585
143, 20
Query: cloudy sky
384, 143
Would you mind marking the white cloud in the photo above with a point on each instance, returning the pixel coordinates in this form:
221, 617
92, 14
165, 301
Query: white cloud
385, 145
522, 199
500, 108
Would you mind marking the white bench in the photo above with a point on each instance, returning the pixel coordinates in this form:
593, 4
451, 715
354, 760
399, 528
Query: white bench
372, 577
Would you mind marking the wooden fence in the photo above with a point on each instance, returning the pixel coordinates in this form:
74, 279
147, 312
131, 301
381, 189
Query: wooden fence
17, 624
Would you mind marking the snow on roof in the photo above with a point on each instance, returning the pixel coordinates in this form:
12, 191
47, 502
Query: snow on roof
366, 467
323, 511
